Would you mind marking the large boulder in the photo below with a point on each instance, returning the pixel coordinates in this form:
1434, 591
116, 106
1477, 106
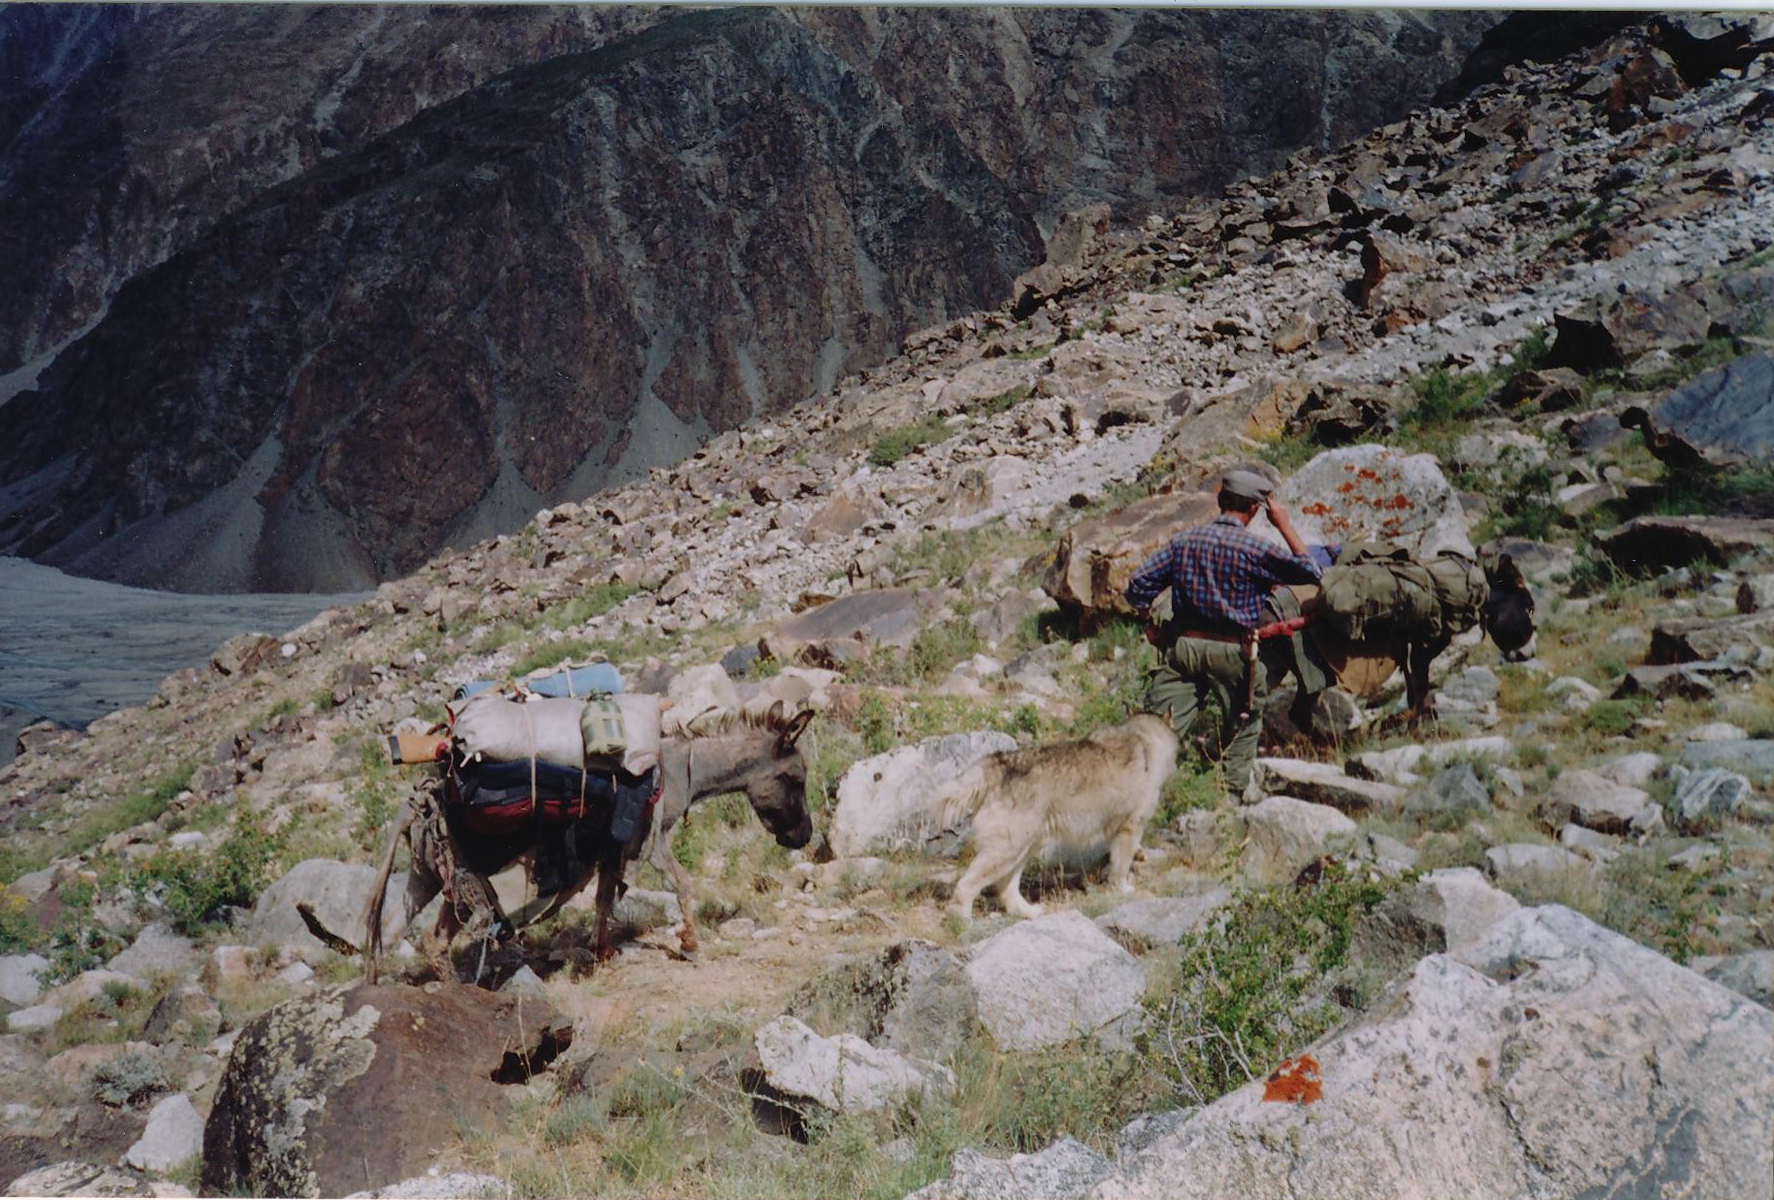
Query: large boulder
336, 892
893, 801
1677, 541
841, 1074
1605, 335
157, 950
1722, 417
1096, 557
1368, 492
1696, 639
352, 1088
1283, 834
888, 616
1552, 1058
1053, 979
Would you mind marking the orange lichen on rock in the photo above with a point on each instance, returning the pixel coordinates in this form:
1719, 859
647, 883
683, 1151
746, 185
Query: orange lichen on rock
1297, 1080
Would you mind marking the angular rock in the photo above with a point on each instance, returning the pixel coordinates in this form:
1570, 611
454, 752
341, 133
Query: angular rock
1603, 336
1753, 757
187, 1015
19, 982
174, 1135
1691, 639
1051, 980
1597, 802
888, 616
239, 655
1721, 417
1707, 797
1283, 834
1459, 903
451, 1185
1691, 681
1323, 783
1457, 790
1065, 1170
1461, 1085
1161, 920
157, 950
913, 998
34, 1019
892, 801
1749, 974
1096, 557
337, 893
364, 1086
842, 1074
75, 1178
1526, 864
1403, 765
1632, 770
1677, 541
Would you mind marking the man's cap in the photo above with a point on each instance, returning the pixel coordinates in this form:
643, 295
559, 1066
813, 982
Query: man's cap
1246, 485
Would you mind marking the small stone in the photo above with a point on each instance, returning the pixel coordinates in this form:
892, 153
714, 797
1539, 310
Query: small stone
174, 1135
34, 1019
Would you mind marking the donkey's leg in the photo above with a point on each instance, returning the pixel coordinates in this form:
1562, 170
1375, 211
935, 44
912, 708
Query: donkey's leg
668, 865
609, 876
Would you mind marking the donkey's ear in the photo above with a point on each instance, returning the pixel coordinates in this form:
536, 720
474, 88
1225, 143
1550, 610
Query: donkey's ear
794, 729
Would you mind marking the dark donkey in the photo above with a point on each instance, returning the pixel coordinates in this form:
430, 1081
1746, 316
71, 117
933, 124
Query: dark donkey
757, 754
1363, 668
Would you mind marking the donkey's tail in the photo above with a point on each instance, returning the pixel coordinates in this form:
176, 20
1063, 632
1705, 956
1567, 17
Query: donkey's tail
372, 911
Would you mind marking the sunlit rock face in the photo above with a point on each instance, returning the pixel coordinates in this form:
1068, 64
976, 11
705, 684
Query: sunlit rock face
362, 283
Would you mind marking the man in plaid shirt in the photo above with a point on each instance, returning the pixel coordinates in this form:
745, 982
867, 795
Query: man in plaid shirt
1218, 575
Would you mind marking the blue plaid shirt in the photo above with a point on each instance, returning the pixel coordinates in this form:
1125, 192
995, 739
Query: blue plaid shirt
1219, 574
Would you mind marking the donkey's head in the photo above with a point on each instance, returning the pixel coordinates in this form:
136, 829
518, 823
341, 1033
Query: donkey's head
776, 784
1509, 610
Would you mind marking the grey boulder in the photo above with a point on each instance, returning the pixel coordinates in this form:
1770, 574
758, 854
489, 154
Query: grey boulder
1051, 980
1468, 1080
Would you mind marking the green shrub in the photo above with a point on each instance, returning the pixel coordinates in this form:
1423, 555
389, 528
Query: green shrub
1611, 718
874, 721
1002, 402
197, 886
937, 648
550, 655
1253, 988
130, 1080
594, 601
18, 929
896, 443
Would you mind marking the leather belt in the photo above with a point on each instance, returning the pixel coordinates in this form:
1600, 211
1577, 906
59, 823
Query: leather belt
1231, 639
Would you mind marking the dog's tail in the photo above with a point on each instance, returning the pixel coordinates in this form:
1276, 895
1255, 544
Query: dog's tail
963, 796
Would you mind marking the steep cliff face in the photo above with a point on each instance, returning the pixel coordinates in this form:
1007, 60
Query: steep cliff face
313, 378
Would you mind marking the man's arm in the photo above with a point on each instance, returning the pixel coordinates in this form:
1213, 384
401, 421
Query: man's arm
1152, 577
1298, 567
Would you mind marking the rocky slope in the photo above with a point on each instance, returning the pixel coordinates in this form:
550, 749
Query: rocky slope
415, 308
1544, 288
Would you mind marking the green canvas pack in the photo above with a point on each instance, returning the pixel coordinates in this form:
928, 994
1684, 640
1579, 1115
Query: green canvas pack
1377, 589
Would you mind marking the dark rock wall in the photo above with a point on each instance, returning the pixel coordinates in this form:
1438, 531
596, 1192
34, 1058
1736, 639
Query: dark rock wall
384, 306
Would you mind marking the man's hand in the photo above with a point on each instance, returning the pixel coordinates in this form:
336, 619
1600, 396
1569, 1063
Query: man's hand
1284, 525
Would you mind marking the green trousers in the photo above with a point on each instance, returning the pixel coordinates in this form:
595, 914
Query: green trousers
1178, 690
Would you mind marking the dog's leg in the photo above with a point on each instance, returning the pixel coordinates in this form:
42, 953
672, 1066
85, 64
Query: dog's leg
1011, 892
1122, 847
967, 889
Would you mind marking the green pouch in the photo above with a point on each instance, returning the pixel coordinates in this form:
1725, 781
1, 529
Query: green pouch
601, 727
